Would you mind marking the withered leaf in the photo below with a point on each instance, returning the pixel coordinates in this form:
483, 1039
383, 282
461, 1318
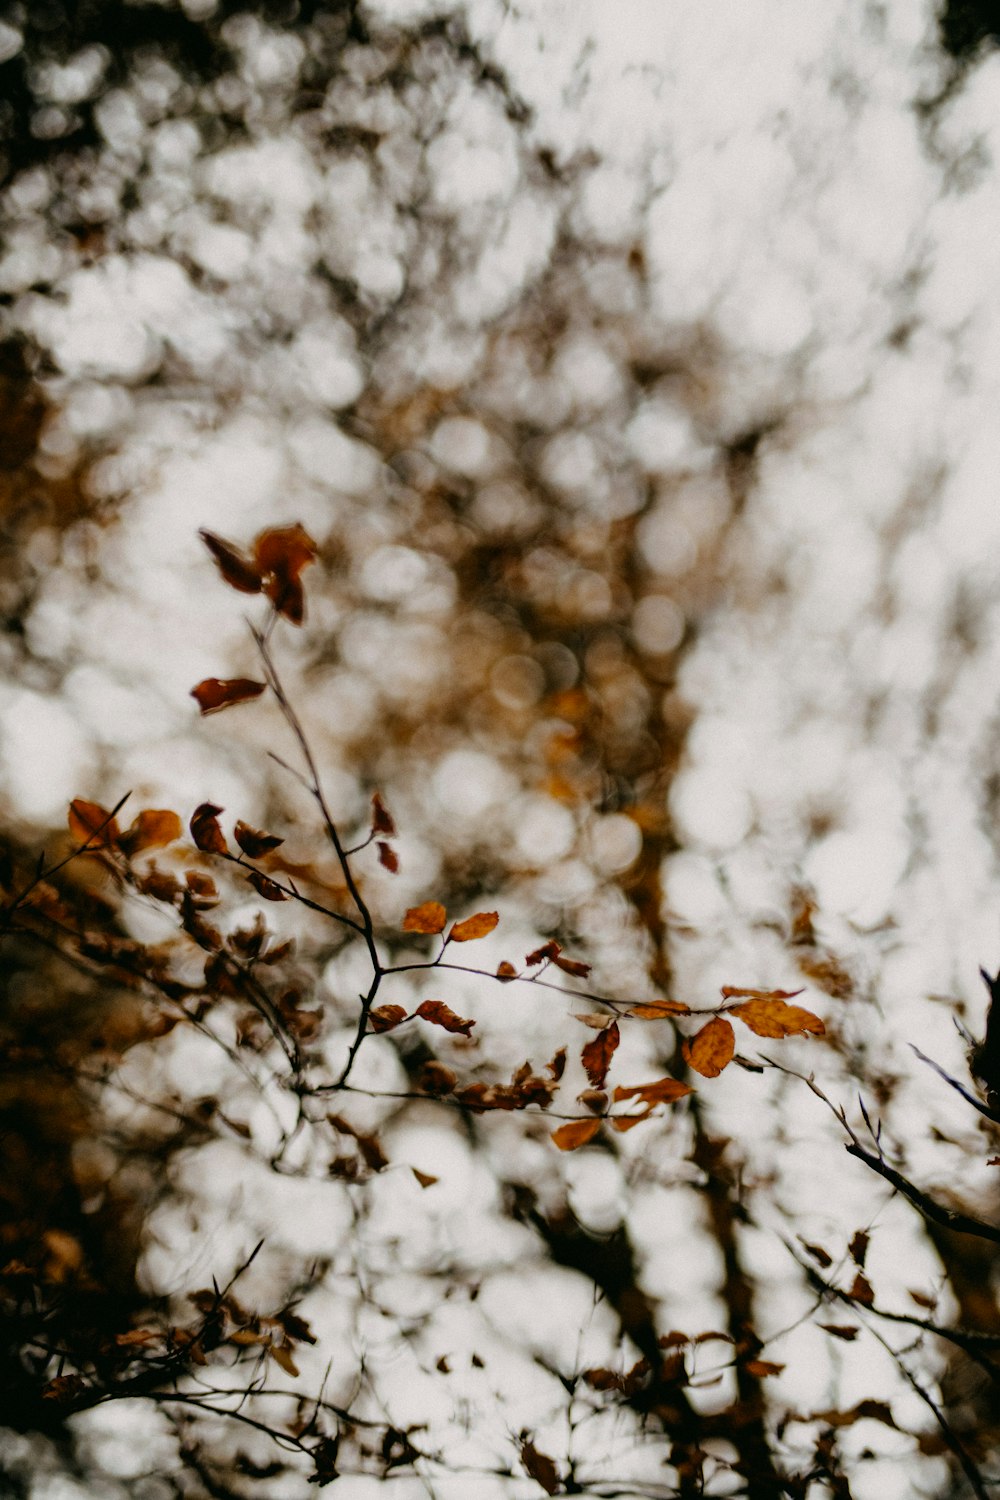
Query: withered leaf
205, 829
820, 1256
424, 1178
597, 1054
548, 950
762, 1367
387, 857
280, 554
506, 972
571, 966
711, 1049
91, 824
152, 829
594, 1019
382, 819
254, 842
282, 1356
858, 1248
440, 1014
215, 693
386, 1017
861, 1290
733, 992
771, 1017
474, 927
429, 918
435, 1078
922, 1299
656, 1010
266, 888
541, 1468
846, 1331
575, 1133
238, 571
663, 1091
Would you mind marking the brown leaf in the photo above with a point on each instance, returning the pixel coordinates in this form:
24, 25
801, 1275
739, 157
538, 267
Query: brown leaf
922, 1299
571, 966
266, 888
820, 1256
253, 841
541, 1468
387, 857
663, 1091
430, 918
858, 1248
282, 1356
440, 1014
548, 951
846, 1331
215, 693
773, 1018
506, 972
762, 1367
280, 555
732, 992
576, 1133
474, 927
424, 1178
710, 1049
91, 824
238, 571
435, 1078
205, 829
596, 1020
386, 1017
861, 1290
382, 819
151, 830
656, 1010
597, 1054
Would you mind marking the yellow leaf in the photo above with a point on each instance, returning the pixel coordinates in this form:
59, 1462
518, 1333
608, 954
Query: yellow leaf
711, 1049
430, 917
91, 824
771, 1017
474, 927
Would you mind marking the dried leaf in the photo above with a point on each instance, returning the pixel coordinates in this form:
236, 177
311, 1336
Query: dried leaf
280, 555
732, 992
91, 824
474, 927
571, 966
215, 693
547, 951
435, 1078
656, 1010
440, 1014
386, 1017
576, 1133
541, 1468
152, 829
282, 1356
771, 1017
922, 1299
506, 972
861, 1290
762, 1367
846, 1331
254, 842
597, 1054
424, 1178
238, 571
266, 888
710, 1049
858, 1248
429, 918
205, 829
594, 1019
382, 819
388, 858
663, 1091
820, 1256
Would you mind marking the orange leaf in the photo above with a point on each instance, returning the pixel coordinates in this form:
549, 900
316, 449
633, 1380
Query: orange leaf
253, 841
546, 951
283, 1357
571, 966
473, 927
663, 1091
732, 992
382, 819
596, 1055
151, 830
762, 1367
238, 571
216, 693
424, 1178
711, 1049
91, 824
430, 917
773, 1018
386, 1017
506, 972
266, 888
387, 858
575, 1133
205, 829
440, 1014
655, 1010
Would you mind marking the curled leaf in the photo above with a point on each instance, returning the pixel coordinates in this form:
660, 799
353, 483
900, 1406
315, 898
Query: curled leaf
388, 858
382, 819
474, 927
205, 829
711, 1049
386, 1017
548, 951
215, 693
773, 1018
280, 554
506, 972
253, 841
597, 1054
440, 1014
571, 966
429, 918
238, 571
575, 1134
266, 888
91, 824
